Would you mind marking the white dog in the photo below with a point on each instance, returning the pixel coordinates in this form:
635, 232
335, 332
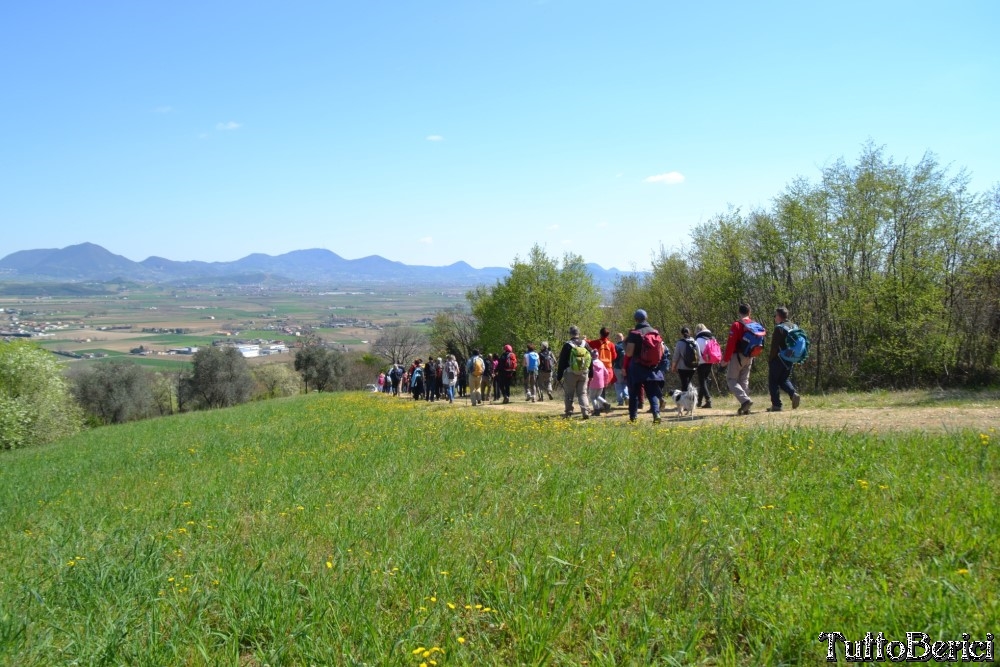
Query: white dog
686, 400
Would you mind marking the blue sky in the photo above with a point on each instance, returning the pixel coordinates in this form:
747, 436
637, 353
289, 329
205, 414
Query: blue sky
442, 131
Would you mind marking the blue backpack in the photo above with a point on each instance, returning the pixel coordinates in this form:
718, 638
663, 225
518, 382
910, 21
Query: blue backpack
532, 362
752, 343
796, 347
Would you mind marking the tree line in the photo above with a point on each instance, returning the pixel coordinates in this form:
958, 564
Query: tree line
892, 269
40, 403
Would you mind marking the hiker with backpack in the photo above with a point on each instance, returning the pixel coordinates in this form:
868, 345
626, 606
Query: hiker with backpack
574, 371
746, 341
710, 354
417, 379
789, 346
506, 372
430, 380
618, 369
546, 364
600, 375
645, 359
487, 382
607, 353
686, 358
531, 361
475, 369
450, 377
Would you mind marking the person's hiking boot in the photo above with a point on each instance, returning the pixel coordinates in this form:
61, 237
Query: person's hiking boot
656, 419
774, 408
796, 399
708, 405
585, 415
745, 407
506, 400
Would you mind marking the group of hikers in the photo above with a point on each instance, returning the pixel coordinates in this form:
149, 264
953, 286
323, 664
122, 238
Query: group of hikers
635, 365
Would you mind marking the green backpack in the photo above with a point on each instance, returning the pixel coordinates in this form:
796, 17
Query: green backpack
579, 358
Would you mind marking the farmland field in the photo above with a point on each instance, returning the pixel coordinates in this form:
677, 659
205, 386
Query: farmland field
161, 318
362, 529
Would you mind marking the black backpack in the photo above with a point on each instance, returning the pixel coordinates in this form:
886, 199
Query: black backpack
690, 353
545, 361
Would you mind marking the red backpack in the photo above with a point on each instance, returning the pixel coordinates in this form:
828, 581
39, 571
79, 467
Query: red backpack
510, 362
651, 348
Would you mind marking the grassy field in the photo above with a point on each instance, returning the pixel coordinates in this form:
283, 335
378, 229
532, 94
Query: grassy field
349, 529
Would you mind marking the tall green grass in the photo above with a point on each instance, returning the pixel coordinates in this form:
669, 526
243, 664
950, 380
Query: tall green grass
348, 529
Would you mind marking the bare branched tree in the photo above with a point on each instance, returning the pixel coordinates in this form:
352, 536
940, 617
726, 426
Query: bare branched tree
455, 331
398, 345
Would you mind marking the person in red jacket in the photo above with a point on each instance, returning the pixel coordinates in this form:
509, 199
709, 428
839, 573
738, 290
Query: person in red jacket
738, 365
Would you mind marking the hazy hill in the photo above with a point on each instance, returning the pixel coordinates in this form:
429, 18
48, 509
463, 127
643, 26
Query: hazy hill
90, 262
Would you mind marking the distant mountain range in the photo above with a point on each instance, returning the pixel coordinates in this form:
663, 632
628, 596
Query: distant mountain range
88, 262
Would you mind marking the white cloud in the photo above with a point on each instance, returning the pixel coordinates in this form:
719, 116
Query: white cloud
552, 228
435, 137
163, 109
670, 178
427, 240
602, 225
231, 125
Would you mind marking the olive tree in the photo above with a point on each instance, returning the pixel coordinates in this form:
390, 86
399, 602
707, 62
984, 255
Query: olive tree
115, 392
219, 378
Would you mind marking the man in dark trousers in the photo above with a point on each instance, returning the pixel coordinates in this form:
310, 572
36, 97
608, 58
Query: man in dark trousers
779, 371
643, 366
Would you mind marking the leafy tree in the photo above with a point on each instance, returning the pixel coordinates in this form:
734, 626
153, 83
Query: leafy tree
35, 403
893, 269
321, 368
115, 392
398, 345
220, 378
275, 380
537, 301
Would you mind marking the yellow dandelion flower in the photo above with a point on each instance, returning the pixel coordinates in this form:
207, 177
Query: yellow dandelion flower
962, 571
461, 640
329, 565
451, 605
418, 650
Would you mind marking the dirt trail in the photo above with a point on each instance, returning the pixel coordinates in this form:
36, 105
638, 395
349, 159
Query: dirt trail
976, 415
